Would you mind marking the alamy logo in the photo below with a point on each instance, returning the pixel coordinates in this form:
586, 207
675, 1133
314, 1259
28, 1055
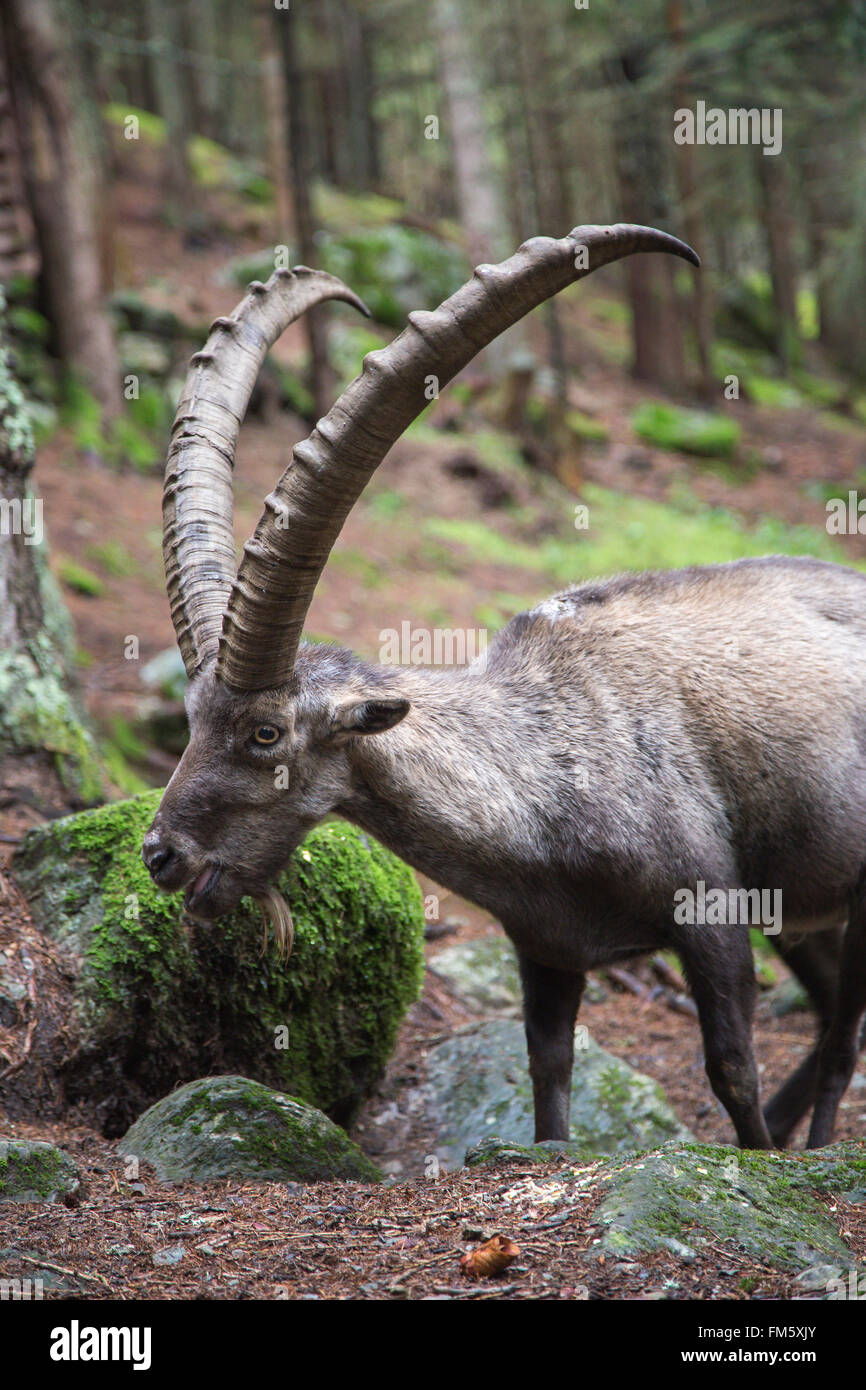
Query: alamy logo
77, 1343
20, 1290
22, 516
737, 126
444, 646
719, 907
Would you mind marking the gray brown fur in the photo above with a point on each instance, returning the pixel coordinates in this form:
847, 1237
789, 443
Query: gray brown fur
613, 746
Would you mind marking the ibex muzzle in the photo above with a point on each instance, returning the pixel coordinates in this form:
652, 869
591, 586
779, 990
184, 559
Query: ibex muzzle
623, 746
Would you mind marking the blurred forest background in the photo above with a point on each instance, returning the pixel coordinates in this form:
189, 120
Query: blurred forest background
155, 157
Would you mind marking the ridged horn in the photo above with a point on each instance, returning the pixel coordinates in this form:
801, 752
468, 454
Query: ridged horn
197, 502
304, 514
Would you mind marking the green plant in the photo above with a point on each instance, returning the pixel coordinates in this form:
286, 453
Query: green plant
689, 431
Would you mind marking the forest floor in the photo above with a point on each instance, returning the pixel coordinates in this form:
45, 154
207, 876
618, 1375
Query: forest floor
403, 1240
234, 1240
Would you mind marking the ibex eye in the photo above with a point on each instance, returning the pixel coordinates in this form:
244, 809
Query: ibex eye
266, 733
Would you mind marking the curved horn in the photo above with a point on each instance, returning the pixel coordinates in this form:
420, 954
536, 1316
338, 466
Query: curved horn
329, 470
197, 502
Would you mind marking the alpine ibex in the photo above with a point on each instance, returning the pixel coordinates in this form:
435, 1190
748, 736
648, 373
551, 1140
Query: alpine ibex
624, 742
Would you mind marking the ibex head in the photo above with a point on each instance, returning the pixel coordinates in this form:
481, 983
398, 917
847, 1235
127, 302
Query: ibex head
270, 720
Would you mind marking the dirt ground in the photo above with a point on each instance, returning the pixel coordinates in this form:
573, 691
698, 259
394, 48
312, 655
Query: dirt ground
405, 1240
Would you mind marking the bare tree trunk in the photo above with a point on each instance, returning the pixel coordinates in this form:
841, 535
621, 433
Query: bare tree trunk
320, 372
62, 181
43, 743
275, 104
699, 302
363, 136
18, 255
170, 84
478, 197
656, 330
779, 224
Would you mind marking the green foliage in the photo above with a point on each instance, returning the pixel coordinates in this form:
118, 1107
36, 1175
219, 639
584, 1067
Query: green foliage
689, 431
585, 427
348, 345
385, 504
125, 442
745, 312
772, 391
633, 533
112, 557
151, 128
77, 577
395, 269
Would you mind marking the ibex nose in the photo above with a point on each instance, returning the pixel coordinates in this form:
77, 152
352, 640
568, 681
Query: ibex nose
157, 855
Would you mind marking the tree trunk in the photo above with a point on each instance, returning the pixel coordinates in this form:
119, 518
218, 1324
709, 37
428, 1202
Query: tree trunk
478, 197
18, 255
41, 732
699, 301
170, 84
320, 380
275, 100
779, 223
62, 181
656, 331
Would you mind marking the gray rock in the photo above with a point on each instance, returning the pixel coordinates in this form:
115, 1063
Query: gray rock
787, 997
169, 1255
766, 1205
230, 1127
484, 973
32, 1171
477, 1085
166, 673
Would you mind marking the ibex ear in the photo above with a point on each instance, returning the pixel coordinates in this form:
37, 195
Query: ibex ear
366, 717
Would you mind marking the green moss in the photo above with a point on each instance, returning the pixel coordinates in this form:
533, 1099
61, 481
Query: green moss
177, 1000
34, 1171
766, 1204
77, 577
629, 533
584, 427
689, 431
37, 712
229, 1126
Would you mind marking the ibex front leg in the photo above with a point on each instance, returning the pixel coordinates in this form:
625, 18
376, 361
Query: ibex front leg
551, 999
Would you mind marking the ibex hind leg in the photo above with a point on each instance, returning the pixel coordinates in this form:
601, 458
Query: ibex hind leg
718, 964
551, 999
839, 1047
815, 962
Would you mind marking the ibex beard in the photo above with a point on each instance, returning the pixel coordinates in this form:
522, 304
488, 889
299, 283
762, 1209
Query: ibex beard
623, 741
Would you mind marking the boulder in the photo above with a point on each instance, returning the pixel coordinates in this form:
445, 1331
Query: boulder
477, 1085
153, 999
231, 1127
686, 1198
32, 1171
484, 973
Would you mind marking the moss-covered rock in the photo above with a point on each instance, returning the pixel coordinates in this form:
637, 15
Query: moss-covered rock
230, 1127
499, 1153
705, 433
31, 1171
159, 1000
484, 973
477, 1085
767, 1205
